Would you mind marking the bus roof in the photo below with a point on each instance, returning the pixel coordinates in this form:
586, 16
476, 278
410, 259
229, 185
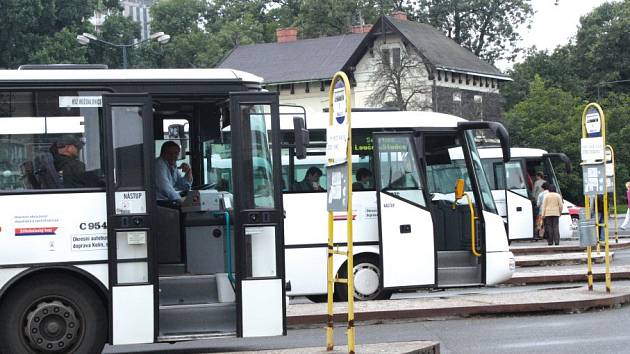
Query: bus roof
111, 75
495, 152
390, 119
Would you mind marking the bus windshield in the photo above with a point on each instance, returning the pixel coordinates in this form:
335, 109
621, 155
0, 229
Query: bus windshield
482, 179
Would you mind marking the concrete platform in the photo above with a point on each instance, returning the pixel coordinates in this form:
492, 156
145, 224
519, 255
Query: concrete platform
518, 302
562, 258
568, 274
416, 347
541, 247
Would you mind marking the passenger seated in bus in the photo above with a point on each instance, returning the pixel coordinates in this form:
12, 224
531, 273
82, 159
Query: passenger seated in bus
66, 161
29, 180
363, 180
168, 181
310, 183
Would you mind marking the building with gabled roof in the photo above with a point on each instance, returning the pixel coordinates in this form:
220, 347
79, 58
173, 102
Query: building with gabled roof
444, 77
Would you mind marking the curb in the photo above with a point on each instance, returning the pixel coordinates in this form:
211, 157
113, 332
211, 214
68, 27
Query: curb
466, 311
598, 259
562, 249
564, 278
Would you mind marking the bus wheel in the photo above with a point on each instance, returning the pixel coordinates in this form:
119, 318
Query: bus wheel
52, 314
367, 274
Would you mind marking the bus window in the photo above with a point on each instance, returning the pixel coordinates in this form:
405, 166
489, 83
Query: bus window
399, 170
31, 122
514, 178
261, 157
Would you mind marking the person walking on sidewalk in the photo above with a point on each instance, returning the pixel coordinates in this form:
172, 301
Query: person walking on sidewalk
551, 211
626, 221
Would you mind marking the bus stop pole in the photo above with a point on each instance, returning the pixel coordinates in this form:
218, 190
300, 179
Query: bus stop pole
587, 213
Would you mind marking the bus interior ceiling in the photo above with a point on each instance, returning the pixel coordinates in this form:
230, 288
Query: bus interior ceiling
195, 299
456, 263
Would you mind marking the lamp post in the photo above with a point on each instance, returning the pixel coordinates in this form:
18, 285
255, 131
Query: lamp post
86, 38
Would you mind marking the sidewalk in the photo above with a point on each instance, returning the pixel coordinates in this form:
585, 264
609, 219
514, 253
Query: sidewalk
528, 301
570, 245
561, 258
417, 347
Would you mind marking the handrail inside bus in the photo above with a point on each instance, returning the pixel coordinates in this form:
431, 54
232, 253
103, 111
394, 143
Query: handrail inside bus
473, 235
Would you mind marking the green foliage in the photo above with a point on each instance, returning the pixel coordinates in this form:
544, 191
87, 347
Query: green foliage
319, 18
28, 27
561, 83
549, 118
62, 48
486, 27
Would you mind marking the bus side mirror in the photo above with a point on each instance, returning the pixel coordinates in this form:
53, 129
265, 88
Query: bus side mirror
459, 189
301, 137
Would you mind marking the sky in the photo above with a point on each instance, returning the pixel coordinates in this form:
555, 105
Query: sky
553, 25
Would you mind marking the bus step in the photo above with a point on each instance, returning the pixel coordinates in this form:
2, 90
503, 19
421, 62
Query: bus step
217, 318
447, 259
172, 269
459, 276
188, 289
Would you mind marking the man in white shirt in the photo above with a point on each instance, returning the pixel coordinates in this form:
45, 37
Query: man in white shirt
168, 181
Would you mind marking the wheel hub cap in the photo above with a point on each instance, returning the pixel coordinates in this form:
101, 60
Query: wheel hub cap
366, 279
52, 326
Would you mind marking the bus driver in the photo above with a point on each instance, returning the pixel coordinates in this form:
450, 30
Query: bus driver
167, 180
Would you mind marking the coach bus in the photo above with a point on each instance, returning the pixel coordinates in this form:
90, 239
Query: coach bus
409, 230
102, 262
512, 188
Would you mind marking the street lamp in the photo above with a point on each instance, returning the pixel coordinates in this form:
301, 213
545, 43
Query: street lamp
86, 38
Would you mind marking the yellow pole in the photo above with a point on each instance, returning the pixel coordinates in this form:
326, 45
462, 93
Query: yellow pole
330, 276
589, 249
331, 281
349, 216
605, 197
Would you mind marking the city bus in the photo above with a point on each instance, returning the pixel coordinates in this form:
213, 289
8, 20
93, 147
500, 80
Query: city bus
512, 188
409, 231
82, 265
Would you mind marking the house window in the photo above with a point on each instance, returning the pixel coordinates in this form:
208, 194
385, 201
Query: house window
391, 57
478, 98
457, 96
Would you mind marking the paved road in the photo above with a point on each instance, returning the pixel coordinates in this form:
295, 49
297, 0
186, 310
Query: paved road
593, 332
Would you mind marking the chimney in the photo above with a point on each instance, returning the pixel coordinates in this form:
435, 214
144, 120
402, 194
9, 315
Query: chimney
287, 34
400, 15
361, 28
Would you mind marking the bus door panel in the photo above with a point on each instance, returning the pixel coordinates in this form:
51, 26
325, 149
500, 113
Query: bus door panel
405, 223
129, 155
258, 214
520, 211
520, 215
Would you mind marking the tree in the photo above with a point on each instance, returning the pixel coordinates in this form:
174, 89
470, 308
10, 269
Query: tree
550, 118
486, 27
601, 51
398, 83
61, 48
319, 18
27, 28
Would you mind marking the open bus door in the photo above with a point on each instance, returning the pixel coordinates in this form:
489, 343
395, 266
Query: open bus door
520, 212
259, 216
128, 150
405, 224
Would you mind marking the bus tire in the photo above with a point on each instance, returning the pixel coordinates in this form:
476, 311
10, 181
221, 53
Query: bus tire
367, 271
52, 314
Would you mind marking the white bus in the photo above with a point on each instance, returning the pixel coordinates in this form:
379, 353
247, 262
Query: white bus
84, 264
512, 188
409, 232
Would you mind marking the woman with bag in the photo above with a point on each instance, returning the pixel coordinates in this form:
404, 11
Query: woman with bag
551, 211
